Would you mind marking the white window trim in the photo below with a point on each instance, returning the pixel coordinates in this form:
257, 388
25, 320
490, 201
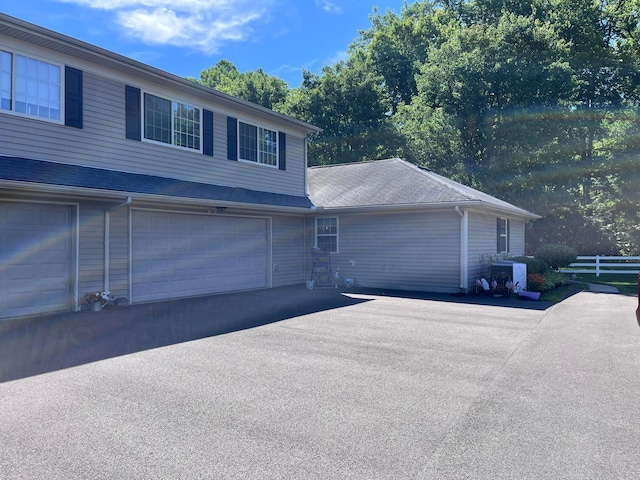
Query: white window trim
258, 126
337, 235
14, 52
171, 99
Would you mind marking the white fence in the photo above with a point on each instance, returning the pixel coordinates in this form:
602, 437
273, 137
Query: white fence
604, 264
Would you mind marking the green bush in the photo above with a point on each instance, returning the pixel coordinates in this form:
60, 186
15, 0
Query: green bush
534, 265
553, 279
557, 255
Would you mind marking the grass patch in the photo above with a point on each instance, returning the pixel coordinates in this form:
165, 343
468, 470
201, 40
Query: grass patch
626, 283
560, 293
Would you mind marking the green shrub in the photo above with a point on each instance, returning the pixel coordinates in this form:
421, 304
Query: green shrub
553, 279
557, 255
534, 265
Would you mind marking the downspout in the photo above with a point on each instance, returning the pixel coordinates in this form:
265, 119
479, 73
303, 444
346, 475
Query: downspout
464, 248
107, 238
306, 165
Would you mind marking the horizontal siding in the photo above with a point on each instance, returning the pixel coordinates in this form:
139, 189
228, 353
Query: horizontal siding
288, 251
102, 143
516, 238
408, 251
119, 253
483, 243
91, 248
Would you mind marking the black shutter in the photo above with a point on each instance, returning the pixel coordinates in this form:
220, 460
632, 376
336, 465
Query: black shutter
282, 151
207, 132
232, 138
508, 236
133, 113
72, 97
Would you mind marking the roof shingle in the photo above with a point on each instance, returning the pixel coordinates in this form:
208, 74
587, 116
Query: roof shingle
41, 172
392, 182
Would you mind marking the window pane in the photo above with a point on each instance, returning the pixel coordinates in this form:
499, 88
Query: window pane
248, 140
5, 80
186, 126
327, 234
37, 88
268, 147
327, 244
157, 114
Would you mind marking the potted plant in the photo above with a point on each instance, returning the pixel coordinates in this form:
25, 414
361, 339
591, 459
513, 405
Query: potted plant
97, 300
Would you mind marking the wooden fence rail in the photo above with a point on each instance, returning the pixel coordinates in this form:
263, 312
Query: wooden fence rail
604, 264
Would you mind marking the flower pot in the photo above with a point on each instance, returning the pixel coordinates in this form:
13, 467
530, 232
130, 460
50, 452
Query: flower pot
96, 306
529, 295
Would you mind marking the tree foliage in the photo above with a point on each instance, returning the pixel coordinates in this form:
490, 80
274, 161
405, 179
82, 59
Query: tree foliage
257, 87
533, 101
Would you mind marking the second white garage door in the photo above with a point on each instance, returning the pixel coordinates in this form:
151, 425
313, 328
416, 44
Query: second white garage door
178, 255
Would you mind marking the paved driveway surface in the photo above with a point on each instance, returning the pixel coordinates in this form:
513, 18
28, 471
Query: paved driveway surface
374, 387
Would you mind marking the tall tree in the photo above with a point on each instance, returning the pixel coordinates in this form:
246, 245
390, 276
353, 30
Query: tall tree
348, 103
257, 87
498, 84
396, 45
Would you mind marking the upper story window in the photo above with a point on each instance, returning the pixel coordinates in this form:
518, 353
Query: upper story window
257, 144
30, 86
503, 235
171, 122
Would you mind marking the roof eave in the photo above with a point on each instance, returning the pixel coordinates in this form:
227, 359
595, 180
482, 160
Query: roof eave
62, 190
70, 45
476, 205
395, 208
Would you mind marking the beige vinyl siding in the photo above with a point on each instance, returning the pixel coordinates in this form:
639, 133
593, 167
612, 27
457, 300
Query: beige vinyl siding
288, 250
119, 253
409, 251
101, 143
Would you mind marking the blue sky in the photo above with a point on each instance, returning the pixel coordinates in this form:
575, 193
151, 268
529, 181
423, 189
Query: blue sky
186, 36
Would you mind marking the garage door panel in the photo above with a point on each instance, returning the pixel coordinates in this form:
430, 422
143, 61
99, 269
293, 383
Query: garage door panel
36, 249
202, 254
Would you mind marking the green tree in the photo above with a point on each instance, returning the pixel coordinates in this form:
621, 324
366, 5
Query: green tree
257, 87
499, 84
396, 45
348, 103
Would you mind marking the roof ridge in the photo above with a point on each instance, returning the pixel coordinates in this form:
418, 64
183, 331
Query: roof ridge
333, 165
440, 179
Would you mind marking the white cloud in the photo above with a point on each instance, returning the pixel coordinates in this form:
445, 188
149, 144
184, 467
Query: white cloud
201, 24
329, 6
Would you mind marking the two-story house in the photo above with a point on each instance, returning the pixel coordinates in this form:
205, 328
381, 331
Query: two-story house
116, 176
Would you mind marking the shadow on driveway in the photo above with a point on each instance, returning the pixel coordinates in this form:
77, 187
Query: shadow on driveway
46, 343
470, 299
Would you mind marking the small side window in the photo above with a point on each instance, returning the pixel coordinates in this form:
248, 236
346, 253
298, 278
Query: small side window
327, 234
503, 235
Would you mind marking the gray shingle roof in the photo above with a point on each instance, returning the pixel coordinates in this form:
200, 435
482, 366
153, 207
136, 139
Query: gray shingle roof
393, 182
49, 173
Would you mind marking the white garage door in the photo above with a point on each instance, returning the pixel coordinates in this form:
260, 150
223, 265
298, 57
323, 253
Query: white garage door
35, 258
181, 255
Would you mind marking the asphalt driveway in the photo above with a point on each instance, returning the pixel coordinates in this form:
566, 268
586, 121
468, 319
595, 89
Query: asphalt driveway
326, 385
